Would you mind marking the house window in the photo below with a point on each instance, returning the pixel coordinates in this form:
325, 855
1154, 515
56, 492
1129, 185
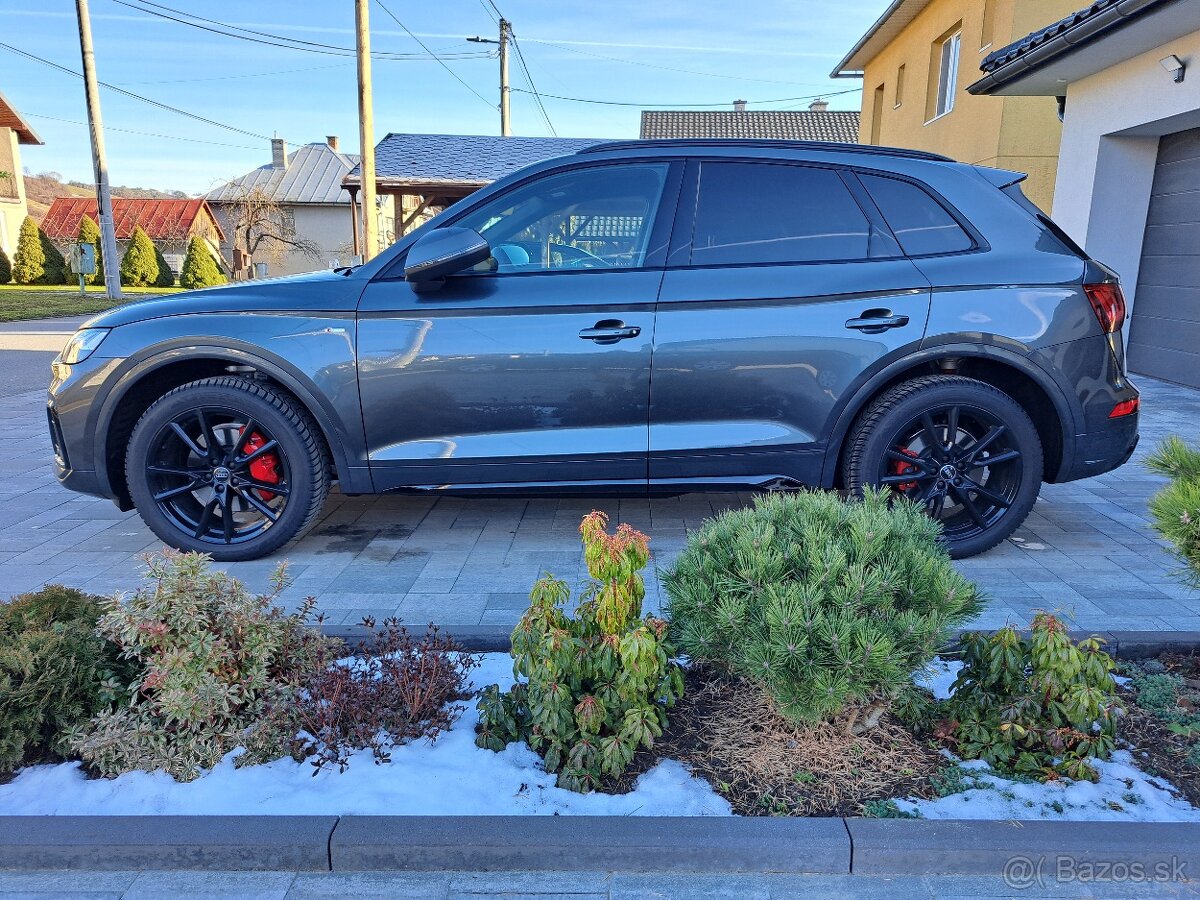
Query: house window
877, 115
946, 53
988, 35
900, 75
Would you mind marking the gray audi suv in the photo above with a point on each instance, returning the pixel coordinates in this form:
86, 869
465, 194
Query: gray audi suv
638, 317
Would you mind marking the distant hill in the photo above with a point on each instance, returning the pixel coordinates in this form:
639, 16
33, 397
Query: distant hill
43, 188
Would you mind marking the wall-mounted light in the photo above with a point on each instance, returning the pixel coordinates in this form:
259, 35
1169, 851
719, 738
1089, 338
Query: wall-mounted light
1175, 66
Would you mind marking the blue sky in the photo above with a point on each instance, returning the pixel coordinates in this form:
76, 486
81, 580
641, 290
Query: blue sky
634, 51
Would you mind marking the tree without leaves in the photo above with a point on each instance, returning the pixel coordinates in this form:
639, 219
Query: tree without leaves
261, 228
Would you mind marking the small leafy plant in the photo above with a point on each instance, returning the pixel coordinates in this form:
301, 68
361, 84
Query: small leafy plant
830, 606
210, 659
1176, 508
594, 687
55, 672
1038, 706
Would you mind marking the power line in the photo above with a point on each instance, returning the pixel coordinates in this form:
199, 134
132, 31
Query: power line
267, 38
231, 77
156, 103
679, 105
532, 86
173, 137
493, 16
439, 59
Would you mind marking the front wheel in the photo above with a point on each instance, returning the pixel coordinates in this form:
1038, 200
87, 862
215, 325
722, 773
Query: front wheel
226, 466
965, 451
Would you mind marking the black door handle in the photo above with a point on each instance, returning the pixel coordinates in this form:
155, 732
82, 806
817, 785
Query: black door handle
609, 331
876, 321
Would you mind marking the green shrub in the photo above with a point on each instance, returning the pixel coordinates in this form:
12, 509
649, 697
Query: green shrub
598, 684
139, 266
1035, 706
29, 263
1176, 508
829, 605
210, 660
55, 672
5, 267
199, 268
89, 233
166, 278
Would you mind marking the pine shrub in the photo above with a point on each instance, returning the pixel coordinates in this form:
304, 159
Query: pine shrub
211, 660
89, 233
139, 266
6, 271
829, 605
199, 268
29, 263
595, 687
55, 672
166, 278
1176, 508
1035, 706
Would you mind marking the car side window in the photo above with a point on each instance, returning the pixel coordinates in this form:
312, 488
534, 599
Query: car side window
921, 224
599, 217
775, 213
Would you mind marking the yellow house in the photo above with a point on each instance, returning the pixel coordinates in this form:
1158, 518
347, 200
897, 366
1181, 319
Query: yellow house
14, 131
916, 63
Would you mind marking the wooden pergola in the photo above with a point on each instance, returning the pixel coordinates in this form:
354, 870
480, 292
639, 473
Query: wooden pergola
412, 199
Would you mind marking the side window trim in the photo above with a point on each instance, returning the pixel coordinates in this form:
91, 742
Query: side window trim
978, 241
680, 253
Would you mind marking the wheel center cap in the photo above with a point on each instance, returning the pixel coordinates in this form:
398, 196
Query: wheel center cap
221, 475
948, 472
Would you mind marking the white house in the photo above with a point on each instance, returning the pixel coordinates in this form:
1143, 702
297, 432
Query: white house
14, 131
1127, 74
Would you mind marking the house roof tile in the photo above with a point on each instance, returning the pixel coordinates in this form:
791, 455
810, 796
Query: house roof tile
792, 125
160, 219
313, 175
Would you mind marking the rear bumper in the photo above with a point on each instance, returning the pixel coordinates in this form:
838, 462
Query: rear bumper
1102, 451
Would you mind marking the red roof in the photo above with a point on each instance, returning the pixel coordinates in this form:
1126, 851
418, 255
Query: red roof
171, 220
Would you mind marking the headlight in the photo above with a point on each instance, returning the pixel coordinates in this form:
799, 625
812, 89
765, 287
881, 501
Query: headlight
82, 344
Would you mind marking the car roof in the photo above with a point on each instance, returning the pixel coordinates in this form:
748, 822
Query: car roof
685, 145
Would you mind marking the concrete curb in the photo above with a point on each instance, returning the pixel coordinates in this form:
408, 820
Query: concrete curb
1032, 853
125, 843
1121, 644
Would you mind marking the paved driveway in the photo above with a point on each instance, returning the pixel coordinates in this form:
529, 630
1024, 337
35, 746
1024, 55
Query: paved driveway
1087, 549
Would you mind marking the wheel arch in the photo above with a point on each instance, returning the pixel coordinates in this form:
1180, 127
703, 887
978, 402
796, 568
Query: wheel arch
1023, 380
151, 375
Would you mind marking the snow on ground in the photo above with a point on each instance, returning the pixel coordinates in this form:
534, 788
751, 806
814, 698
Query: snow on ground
449, 777
1124, 793
938, 676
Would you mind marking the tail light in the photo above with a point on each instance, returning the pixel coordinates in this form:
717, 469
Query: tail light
1125, 408
1108, 303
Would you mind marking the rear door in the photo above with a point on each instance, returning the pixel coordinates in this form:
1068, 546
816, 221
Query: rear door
784, 286
535, 366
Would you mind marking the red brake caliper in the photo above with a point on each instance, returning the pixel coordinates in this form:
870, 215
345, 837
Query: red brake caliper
265, 468
903, 468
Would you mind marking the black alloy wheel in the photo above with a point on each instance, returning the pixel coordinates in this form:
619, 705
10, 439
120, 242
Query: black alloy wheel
227, 466
963, 450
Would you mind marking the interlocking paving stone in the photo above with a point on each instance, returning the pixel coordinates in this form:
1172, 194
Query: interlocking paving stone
471, 561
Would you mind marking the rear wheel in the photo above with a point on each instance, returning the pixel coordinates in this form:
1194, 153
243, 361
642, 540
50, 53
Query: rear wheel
965, 451
226, 466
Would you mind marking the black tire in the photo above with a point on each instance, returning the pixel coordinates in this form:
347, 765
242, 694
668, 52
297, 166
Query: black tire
196, 458
979, 504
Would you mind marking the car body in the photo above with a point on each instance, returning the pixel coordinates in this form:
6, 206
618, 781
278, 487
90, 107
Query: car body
702, 345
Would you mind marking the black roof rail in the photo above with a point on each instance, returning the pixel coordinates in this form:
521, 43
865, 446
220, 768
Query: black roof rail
816, 146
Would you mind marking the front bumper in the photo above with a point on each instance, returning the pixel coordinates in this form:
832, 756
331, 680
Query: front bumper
70, 418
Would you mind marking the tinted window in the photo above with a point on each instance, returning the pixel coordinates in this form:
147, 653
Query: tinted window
594, 218
920, 223
765, 213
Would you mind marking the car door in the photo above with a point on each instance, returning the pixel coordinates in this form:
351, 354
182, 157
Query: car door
784, 286
533, 367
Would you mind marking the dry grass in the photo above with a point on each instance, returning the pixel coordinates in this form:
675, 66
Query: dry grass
729, 732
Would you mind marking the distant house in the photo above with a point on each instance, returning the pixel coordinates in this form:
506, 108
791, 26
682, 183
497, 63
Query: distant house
14, 131
817, 123
171, 224
428, 172
291, 214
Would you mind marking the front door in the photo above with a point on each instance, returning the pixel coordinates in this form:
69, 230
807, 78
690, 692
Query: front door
534, 367
787, 288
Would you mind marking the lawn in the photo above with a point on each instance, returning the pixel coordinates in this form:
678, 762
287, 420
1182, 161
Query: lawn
18, 302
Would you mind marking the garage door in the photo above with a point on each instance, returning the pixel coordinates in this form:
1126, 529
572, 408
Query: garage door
1164, 335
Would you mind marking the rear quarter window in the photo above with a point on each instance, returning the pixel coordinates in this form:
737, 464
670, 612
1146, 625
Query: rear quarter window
921, 224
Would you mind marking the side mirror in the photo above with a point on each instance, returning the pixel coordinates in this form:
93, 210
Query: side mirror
443, 252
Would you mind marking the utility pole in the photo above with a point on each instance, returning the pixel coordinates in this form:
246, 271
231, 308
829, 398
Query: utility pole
108, 235
366, 130
505, 90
